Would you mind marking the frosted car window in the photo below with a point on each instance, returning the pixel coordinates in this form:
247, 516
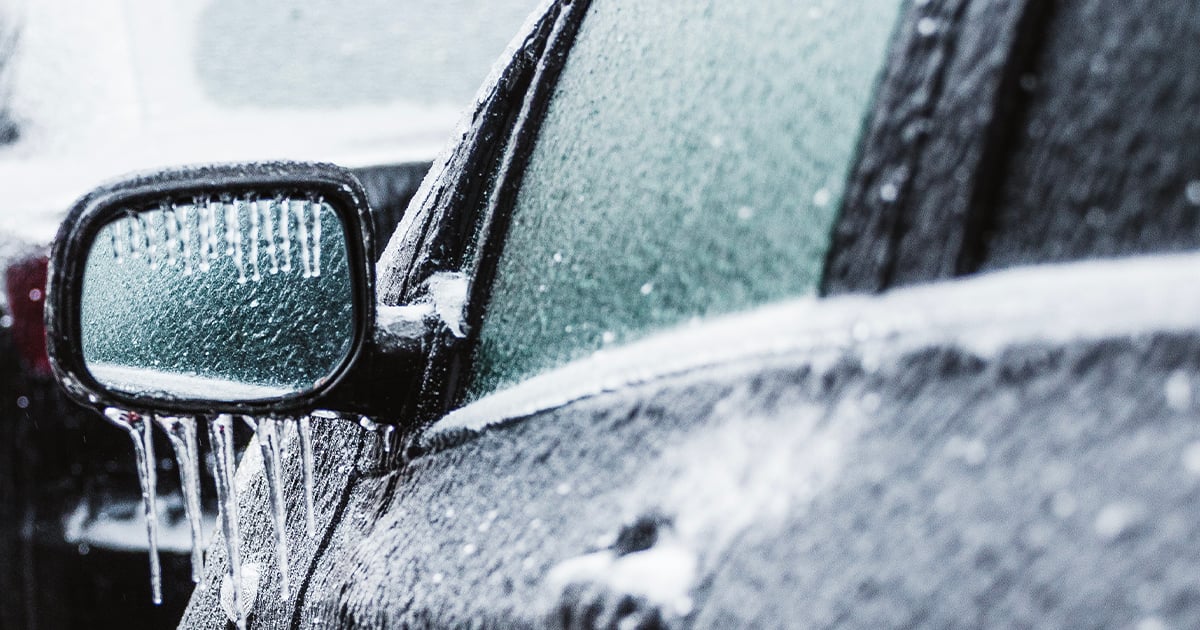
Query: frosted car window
691, 163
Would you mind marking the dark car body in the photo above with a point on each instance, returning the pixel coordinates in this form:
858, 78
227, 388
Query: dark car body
933, 442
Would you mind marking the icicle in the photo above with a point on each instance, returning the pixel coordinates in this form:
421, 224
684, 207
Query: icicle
205, 221
153, 229
316, 237
170, 225
305, 253
141, 432
135, 239
254, 237
112, 243
269, 441
233, 234
306, 455
221, 433
269, 227
182, 432
231, 223
185, 219
215, 219
143, 235
285, 237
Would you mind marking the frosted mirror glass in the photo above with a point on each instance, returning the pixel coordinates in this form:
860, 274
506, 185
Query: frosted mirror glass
226, 299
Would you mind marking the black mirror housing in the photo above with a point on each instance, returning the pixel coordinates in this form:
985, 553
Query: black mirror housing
338, 189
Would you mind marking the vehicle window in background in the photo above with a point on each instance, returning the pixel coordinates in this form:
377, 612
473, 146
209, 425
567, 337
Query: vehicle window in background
97, 89
691, 163
332, 53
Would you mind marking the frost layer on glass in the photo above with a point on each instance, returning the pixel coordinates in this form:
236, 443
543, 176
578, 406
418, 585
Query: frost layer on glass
691, 163
218, 300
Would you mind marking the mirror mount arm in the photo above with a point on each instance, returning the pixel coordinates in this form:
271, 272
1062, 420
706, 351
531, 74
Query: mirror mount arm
386, 381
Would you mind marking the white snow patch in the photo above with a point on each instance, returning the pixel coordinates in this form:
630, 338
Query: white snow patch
982, 314
663, 574
448, 291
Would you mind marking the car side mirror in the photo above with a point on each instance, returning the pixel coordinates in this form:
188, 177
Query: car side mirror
244, 289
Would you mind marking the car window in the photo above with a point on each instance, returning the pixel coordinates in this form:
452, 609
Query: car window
691, 163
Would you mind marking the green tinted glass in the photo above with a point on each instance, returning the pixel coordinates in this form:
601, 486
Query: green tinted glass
691, 163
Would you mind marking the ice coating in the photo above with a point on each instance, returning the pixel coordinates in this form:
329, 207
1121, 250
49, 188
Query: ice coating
182, 432
141, 433
222, 303
304, 427
269, 441
221, 434
258, 233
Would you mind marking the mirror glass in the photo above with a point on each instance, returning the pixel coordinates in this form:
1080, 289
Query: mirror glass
218, 299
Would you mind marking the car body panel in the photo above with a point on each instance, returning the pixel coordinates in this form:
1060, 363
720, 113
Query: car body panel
931, 455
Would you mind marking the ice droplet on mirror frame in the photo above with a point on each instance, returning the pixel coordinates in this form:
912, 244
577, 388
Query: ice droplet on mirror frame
181, 430
221, 435
141, 434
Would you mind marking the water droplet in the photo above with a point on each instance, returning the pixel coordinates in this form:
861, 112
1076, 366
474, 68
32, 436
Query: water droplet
35, 295
437, 578
1193, 192
889, 192
822, 197
6, 321
558, 257
608, 337
469, 549
1191, 458
1115, 519
927, 26
563, 489
647, 288
745, 213
22, 402
1178, 390
1151, 623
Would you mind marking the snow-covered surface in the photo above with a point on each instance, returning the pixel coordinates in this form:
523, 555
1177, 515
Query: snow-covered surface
448, 292
663, 574
982, 314
173, 385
